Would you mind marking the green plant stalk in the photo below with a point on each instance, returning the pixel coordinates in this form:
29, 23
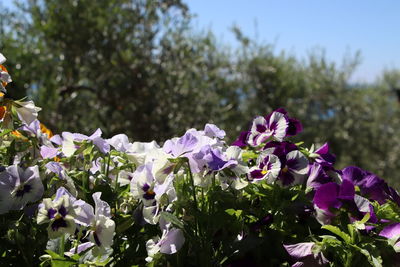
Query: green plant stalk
189, 172
108, 165
62, 245
77, 240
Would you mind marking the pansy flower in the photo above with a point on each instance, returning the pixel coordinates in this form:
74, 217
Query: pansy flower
392, 232
305, 254
145, 187
171, 240
120, 142
318, 175
330, 197
18, 187
212, 131
229, 165
26, 110
294, 168
69, 147
102, 227
276, 125
141, 152
142, 184
39, 131
267, 168
241, 141
60, 214
263, 128
370, 185
325, 158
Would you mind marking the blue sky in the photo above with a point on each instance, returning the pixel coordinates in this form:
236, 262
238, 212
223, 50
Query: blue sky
298, 26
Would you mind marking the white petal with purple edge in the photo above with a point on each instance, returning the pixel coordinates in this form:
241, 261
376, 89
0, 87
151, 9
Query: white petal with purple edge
281, 123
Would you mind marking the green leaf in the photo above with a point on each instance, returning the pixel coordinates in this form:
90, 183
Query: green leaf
374, 261
233, 212
6, 131
63, 263
169, 217
53, 254
124, 225
336, 230
247, 155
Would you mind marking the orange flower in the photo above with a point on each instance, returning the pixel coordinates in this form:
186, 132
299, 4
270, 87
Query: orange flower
45, 130
2, 68
2, 112
17, 134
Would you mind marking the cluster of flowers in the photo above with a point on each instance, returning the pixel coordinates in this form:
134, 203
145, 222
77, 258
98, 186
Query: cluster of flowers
262, 200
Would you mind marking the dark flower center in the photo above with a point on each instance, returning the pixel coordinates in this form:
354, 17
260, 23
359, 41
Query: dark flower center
25, 189
51, 212
145, 187
59, 222
63, 211
96, 239
149, 195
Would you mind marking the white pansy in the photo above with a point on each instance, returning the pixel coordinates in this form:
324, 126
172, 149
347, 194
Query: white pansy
60, 214
27, 111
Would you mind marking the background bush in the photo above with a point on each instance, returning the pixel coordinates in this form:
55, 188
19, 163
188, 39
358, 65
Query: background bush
141, 68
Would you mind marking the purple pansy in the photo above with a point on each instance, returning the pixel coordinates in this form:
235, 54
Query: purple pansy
264, 128
331, 195
145, 187
281, 149
294, 164
303, 254
267, 168
276, 125
294, 168
325, 158
370, 185
49, 152
241, 141
217, 160
83, 212
212, 131
317, 176
392, 232
102, 226
180, 146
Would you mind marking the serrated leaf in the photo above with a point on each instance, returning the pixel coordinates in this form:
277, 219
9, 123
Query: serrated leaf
336, 230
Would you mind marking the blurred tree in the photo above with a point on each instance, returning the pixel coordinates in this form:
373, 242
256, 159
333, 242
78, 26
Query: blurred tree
122, 65
138, 67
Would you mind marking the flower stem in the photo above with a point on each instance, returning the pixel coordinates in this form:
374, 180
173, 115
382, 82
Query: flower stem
189, 172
